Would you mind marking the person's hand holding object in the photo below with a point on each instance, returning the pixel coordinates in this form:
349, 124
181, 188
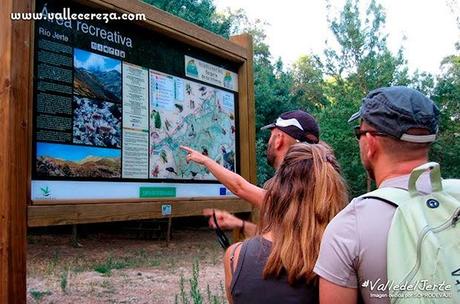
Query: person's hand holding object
225, 220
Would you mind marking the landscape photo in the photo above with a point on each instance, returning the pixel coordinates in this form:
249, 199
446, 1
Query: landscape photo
96, 123
96, 76
57, 160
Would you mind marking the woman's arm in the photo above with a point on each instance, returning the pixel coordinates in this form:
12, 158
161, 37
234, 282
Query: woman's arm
234, 182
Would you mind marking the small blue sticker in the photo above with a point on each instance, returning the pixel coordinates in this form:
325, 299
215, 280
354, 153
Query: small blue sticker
166, 210
223, 191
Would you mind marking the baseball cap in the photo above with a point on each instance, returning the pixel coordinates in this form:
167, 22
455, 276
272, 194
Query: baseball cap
396, 110
298, 124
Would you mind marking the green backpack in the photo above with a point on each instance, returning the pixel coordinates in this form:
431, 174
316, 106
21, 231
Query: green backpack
423, 249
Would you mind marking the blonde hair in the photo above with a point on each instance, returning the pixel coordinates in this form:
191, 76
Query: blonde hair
306, 192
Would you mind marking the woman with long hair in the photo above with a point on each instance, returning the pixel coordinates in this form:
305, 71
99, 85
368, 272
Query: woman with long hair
276, 266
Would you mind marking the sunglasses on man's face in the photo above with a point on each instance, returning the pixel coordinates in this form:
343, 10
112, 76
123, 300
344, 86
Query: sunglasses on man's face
221, 237
359, 132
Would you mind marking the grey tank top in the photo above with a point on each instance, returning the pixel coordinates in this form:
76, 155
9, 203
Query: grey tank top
248, 285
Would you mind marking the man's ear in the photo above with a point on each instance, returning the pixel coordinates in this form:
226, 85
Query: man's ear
279, 140
372, 146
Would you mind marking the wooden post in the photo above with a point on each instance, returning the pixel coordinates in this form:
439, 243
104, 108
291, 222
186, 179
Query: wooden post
247, 83
74, 240
14, 149
168, 232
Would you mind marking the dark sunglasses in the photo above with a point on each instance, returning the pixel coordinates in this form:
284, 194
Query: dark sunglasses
359, 132
221, 237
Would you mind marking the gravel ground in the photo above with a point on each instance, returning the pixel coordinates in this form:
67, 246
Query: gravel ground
118, 268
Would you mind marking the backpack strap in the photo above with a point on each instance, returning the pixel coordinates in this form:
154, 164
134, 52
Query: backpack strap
435, 176
396, 196
390, 195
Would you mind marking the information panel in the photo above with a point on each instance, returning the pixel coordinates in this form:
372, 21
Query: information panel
112, 104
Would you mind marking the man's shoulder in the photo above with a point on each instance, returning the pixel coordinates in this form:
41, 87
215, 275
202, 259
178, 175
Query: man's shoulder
347, 214
360, 207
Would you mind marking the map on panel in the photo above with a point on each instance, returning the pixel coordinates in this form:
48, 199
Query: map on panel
184, 112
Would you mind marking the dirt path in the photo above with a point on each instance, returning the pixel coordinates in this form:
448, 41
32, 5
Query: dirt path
118, 269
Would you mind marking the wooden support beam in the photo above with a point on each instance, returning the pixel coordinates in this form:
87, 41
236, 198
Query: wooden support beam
49, 215
14, 149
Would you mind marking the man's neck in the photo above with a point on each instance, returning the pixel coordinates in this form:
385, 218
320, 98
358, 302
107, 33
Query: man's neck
277, 162
386, 171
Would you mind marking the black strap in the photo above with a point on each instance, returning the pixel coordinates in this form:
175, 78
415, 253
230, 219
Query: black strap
221, 237
383, 200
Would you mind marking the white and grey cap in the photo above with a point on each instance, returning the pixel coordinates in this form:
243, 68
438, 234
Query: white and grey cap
298, 124
396, 110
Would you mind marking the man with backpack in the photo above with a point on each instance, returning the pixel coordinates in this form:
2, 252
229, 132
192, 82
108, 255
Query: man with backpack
392, 245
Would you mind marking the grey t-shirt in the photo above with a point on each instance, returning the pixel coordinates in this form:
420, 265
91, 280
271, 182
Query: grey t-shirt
354, 245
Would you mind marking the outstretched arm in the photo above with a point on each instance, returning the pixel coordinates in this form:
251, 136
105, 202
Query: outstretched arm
235, 183
228, 221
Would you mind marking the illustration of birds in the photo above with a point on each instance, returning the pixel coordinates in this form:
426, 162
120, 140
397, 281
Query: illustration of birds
163, 156
229, 160
203, 90
192, 133
156, 171
171, 169
179, 107
167, 124
188, 89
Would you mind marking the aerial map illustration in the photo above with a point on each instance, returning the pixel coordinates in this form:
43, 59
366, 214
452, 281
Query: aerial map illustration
184, 112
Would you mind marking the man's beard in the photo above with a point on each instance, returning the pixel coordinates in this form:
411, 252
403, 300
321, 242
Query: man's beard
370, 172
368, 167
270, 155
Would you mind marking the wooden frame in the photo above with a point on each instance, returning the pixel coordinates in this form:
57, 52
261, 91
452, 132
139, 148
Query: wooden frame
16, 210
239, 50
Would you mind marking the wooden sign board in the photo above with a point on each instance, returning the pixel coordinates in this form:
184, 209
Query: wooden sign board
93, 113
112, 103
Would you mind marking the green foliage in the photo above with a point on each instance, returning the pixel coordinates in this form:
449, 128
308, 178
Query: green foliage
332, 85
202, 13
194, 294
194, 289
308, 83
64, 281
363, 58
447, 95
108, 265
272, 87
362, 62
38, 295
